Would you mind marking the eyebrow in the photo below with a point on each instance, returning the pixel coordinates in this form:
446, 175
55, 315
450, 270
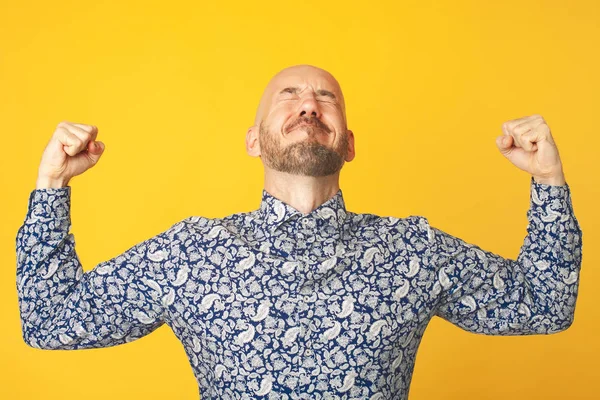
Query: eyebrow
295, 90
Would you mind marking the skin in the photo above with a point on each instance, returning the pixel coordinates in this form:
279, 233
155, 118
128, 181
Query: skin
528, 144
302, 163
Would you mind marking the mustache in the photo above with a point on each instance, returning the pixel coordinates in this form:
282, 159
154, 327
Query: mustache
309, 120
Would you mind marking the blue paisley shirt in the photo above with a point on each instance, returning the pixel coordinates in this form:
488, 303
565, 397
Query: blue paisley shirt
277, 304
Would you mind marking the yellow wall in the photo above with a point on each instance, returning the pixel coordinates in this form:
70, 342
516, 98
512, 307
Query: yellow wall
173, 87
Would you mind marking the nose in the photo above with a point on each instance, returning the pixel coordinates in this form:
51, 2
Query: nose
310, 108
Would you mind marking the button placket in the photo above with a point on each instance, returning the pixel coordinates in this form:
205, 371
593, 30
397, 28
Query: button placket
296, 358
302, 249
307, 321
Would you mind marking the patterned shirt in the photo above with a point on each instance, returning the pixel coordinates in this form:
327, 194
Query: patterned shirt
278, 304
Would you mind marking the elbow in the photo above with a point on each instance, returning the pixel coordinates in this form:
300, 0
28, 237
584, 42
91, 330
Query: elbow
30, 330
560, 326
559, 310
555, 319
31, 340
562, 320
34, 339
36, 342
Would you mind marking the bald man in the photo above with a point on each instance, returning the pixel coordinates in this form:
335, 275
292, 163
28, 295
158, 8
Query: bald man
300, 298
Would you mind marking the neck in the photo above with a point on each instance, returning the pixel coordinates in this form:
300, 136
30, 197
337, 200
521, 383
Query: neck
304, 193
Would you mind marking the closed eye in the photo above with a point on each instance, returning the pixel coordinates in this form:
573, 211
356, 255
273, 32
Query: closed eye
329, 96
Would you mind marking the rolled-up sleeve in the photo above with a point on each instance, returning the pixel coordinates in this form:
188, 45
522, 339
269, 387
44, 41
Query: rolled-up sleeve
63, 307
482, 292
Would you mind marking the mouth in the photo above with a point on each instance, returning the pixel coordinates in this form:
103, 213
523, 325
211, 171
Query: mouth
301, 125
304, 124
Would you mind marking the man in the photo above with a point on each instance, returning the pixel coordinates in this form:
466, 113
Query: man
301, 298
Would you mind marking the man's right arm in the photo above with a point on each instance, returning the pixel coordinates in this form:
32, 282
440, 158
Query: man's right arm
63, 307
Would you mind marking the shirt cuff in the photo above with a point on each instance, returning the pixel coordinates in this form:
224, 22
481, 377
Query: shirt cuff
49, 203
550, 199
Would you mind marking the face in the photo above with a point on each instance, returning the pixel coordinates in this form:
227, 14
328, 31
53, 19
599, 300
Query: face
302, 124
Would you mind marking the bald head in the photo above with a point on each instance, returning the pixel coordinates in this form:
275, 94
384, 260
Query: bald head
295, 79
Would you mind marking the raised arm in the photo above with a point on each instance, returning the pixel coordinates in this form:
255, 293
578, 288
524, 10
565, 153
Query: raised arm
483, 292
61, 306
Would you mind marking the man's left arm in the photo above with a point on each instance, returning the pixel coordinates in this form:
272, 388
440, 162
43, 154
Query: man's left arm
483, 292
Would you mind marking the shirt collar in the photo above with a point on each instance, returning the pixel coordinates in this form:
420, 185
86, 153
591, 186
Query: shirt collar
274, 212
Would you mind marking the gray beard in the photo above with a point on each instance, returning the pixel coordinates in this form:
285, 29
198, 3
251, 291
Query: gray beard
307, 157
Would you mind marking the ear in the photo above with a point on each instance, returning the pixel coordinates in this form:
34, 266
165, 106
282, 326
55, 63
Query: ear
351, 151
252, 143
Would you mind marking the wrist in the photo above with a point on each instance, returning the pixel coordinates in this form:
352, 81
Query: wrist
556, 180
44, 182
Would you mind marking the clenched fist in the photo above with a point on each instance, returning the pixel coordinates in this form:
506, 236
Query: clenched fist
528, 144
72, 150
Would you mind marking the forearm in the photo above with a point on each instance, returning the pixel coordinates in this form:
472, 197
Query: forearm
47, 265
551, 254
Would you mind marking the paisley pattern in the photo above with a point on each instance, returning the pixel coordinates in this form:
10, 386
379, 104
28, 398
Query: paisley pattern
278, 304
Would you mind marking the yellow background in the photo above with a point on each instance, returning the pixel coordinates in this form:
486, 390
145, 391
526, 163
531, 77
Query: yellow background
173, 87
